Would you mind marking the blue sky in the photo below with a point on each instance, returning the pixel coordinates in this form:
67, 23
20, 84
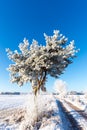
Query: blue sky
30, 19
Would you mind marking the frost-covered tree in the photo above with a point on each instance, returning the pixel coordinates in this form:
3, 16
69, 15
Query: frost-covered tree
34, 62
60, 87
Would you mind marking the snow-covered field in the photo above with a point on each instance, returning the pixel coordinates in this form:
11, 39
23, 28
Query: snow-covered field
11, 101
17, 113
76, 105
12, 106
78, 100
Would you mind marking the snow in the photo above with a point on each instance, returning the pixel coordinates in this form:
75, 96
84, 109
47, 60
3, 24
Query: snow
11, 101
11, 106
81, 121
78, 100
51, 126
48, 113
9, 127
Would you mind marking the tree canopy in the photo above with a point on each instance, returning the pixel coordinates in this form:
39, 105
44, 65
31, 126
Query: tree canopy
34, 62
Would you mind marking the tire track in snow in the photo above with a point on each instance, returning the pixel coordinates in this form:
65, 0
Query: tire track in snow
67, 118
77, 117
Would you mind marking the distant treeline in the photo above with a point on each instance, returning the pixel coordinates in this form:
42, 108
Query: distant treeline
11, 93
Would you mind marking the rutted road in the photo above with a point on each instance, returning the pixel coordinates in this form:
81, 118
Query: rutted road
81, 112
72, 123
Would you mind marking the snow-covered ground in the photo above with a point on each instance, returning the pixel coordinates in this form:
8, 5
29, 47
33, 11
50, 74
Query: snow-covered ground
11, 101
79, 119
16, 112
79, 101
11, 107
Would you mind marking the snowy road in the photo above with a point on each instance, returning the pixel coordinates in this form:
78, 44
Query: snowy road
78, 116
81, 112
67, 118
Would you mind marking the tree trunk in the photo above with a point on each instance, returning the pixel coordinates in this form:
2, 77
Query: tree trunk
36, 105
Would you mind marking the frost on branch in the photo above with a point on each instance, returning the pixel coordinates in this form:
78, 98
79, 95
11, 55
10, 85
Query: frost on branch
34, 62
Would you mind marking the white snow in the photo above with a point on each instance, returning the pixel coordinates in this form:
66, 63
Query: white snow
81, 121
47, 107
8, 103
78, 100
46, 103
11, 101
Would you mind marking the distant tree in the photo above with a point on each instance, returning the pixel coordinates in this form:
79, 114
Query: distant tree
34, 62
60, 87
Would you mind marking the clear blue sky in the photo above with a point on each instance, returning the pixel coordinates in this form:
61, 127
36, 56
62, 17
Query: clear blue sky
30, 19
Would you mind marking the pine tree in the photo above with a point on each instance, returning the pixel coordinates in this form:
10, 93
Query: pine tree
35, 62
